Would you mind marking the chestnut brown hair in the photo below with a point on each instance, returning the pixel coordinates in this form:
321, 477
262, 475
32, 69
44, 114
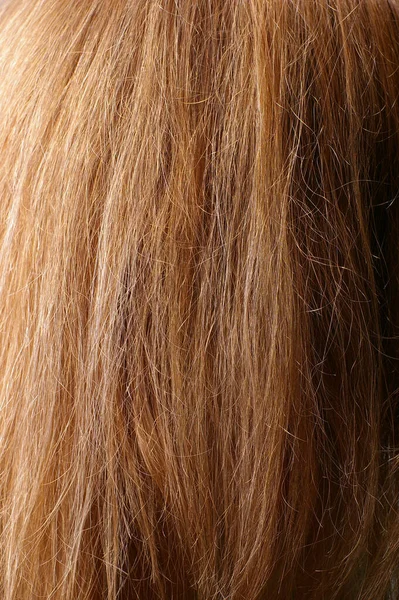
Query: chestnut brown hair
199, 301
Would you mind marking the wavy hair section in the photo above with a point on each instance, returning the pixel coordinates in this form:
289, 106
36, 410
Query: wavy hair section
199, 299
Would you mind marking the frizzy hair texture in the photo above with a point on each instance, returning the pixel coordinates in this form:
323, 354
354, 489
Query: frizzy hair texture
199, 303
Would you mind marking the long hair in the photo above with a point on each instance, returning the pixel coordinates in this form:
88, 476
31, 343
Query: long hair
199, 299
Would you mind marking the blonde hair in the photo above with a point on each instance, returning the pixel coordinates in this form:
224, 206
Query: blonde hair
199, 299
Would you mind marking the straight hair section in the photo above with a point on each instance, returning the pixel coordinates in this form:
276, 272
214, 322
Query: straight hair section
199, 299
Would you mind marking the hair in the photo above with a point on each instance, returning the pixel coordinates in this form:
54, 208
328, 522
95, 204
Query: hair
199, 299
